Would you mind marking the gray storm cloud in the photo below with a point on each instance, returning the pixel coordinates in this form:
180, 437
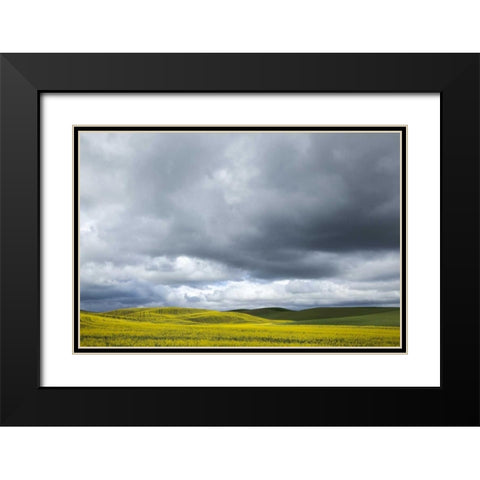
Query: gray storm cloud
239, 219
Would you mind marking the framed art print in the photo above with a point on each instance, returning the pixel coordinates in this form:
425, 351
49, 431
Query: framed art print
208, 239
293, 230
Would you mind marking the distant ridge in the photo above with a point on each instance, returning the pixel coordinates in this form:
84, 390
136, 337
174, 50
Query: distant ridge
315, 315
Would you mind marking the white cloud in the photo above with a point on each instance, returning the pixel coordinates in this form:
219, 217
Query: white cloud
281, 293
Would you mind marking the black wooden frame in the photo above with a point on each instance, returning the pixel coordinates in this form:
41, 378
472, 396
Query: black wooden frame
23, 77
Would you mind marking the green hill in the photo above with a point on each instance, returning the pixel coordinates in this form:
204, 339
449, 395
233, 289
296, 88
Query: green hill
388, 316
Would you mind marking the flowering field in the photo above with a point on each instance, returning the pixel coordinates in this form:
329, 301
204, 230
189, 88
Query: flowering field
182, 327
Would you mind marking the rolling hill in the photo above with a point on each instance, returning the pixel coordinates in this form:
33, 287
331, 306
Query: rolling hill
387, 316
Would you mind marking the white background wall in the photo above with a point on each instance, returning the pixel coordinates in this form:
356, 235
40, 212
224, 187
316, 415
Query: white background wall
220, 26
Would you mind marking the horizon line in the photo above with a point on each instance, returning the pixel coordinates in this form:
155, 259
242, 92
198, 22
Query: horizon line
248, 309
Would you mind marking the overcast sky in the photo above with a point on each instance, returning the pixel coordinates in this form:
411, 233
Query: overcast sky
239, 220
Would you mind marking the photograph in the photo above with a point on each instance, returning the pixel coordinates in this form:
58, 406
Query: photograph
239, 238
